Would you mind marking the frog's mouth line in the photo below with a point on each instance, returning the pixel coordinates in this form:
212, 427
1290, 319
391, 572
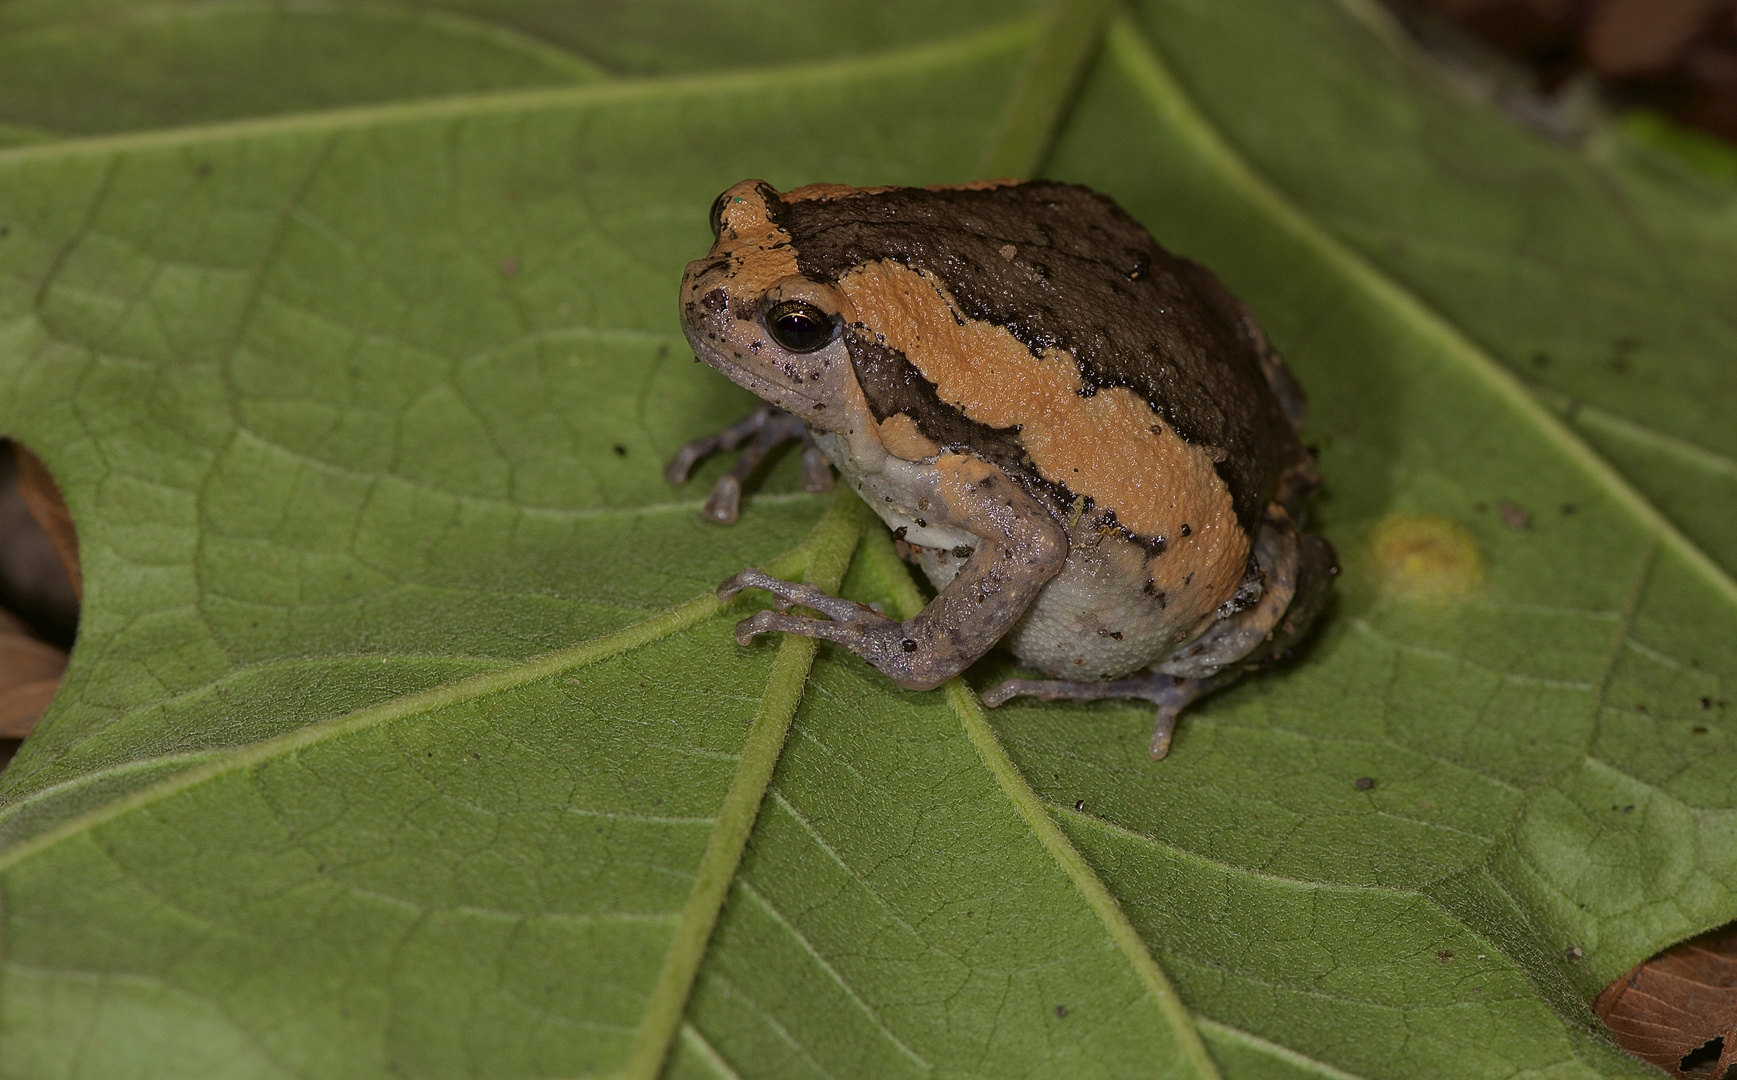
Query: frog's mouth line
776, 393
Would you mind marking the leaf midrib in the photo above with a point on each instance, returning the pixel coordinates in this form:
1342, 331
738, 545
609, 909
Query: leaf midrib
878, 555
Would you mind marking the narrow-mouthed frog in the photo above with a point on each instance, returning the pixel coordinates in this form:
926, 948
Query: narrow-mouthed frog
1085, 442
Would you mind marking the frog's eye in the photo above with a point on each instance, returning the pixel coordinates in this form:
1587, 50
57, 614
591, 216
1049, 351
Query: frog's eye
799, 326
718, 205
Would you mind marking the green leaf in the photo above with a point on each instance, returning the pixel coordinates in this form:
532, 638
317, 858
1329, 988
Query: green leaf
1602, 276
403, 735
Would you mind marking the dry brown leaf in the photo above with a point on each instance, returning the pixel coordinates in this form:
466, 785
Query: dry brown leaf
29, 675
1669, 1009
49, 509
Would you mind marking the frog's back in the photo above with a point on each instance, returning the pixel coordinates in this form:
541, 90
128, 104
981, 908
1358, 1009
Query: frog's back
1064, 271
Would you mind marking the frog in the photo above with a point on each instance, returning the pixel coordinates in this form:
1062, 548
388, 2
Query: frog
1085, 442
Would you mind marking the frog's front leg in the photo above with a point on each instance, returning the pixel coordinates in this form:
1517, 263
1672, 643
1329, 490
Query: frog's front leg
1023, 547
768, 427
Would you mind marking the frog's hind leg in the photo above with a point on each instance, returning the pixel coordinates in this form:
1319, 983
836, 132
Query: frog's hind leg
765, 429
1237, 634
1237, 643
1170, 693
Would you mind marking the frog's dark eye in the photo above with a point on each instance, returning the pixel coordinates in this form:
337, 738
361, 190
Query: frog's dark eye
798, 326
718, 205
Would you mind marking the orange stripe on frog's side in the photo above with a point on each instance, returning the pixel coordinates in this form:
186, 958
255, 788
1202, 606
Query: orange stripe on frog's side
1110, 445
899, 434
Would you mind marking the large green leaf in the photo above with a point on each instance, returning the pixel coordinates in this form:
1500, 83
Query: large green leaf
403, 736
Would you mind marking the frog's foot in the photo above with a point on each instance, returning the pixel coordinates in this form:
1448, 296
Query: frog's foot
857, 627
764, 430
1170, 693
790, 594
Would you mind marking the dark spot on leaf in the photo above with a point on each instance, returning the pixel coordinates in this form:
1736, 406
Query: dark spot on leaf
1080, 805
202, 170
1568, 508
1445, 956
509, 265
476, 755
1620, 351
1706, 703
1512, 515
1062, 1011
1364, 783
620, 450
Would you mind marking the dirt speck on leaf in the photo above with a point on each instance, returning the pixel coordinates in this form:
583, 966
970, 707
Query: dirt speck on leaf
1512, 515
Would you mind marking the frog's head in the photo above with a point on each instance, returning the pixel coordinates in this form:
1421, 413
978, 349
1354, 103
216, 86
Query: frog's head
749, 312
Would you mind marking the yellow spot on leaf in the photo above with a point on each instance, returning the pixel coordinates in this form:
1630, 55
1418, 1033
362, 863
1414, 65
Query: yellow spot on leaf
1426, 558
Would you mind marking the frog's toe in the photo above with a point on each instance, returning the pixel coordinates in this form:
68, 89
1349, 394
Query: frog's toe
861, 631
816, 468
1047, 690
790, 593
1168, 692
724, 504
